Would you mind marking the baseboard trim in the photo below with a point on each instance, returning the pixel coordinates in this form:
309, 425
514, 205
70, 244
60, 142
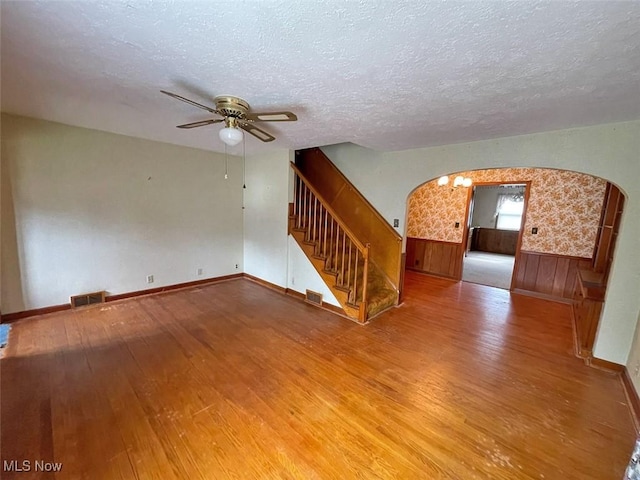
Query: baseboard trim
295, 294
542, 296
632, 398
12, 317
324, 306
168, 288
265, 283
432, 274
605, 365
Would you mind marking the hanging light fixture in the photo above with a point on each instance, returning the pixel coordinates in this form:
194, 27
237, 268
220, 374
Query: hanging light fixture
231, 135
458, 181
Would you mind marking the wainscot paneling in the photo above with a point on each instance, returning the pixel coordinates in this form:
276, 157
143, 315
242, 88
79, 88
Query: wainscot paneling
434, 257
494, 240
546, 274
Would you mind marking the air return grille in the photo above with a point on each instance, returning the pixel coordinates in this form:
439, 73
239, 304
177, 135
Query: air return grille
313, 297
87, 299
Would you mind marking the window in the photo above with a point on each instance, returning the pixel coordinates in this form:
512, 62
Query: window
509, 212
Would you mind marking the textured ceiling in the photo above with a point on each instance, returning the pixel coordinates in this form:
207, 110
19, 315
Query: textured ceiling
384, 74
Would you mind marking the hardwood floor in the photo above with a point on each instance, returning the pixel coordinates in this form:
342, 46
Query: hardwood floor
234, 380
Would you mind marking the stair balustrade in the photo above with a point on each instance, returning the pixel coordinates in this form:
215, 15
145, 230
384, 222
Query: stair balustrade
344, 256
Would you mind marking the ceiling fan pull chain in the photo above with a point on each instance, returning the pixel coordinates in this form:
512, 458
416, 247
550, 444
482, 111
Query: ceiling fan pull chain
226, 163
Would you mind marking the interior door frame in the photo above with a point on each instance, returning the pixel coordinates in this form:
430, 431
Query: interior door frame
465, 231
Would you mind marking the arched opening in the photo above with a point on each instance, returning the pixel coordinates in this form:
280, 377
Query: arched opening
564, 247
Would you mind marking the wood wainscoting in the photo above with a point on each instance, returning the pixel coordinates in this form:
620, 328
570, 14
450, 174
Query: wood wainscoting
494, 240
547, 275
435, 257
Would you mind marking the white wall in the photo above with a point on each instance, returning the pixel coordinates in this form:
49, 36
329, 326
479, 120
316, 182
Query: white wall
633, 363
609, 151
84, 210
266, 200
269, 253
303, 275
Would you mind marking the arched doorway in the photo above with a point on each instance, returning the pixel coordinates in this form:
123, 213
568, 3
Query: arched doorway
569, 226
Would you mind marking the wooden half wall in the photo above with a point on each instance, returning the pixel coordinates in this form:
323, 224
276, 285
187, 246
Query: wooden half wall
547, 275
437, 258
539, 274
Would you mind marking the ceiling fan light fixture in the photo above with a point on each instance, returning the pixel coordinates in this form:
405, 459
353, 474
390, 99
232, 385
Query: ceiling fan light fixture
232, 136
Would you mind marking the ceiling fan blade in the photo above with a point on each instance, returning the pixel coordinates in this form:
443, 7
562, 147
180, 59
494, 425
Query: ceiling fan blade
272, 117
201, 123
190, 102
257, 132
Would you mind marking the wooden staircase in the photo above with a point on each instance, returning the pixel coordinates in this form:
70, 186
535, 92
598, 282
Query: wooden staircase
339, 255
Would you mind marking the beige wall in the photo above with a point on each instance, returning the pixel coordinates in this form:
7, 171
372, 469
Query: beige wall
265, 216
611, 152
633, 363
84, 210
564, 206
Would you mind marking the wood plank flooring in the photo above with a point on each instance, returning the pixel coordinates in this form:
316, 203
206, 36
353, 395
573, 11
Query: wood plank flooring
236, 381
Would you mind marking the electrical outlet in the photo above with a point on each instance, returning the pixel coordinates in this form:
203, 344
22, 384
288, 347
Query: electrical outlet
534, 231
457, 225
149, 278
236, 265
396, 222
199, 271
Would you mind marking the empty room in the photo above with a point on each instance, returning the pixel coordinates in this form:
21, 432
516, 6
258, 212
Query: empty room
319, 240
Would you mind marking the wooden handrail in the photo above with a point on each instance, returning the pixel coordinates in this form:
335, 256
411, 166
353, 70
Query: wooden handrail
362, 247
364, 221
333, 242
376, 213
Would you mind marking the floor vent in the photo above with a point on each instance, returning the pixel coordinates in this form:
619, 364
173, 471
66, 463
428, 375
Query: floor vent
87, 299
313, 297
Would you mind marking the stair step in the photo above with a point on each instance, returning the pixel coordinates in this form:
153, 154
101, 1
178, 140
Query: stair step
342, 289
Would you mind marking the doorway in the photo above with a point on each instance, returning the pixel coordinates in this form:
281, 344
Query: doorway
494, 226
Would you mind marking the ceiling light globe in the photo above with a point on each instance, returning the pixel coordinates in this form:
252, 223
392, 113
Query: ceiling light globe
467, 182
458, 181
231, 136
443, 180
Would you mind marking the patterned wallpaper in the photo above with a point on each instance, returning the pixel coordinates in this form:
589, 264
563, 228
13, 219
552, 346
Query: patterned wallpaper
564, 206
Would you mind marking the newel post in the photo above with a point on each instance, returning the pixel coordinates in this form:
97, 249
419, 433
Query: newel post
362, 313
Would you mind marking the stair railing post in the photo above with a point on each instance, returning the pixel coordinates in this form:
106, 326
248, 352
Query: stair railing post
335, 258
355, 278
349, 265
296, 187
344, 247
326, 228
304, 208
309, 217
365, 280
